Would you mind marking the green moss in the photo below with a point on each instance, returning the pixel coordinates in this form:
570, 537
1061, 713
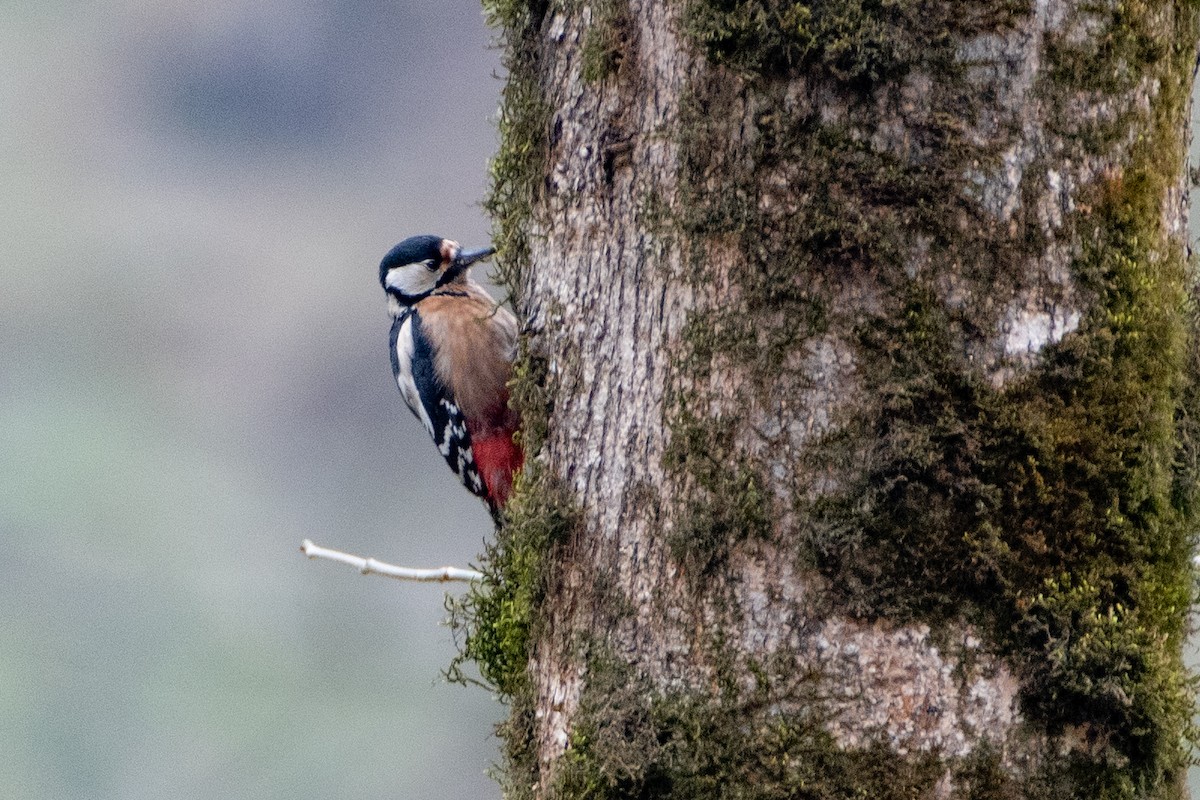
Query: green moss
614, 738
1044, 513
631, 741
709, 749
605, 40
514, 19
1105, 674
1056, 513
499, 618
1074, 61
499, 615
983, 776
531, 394
518, 167
752, 36
856, 42
858, 207
918, 492
727, 500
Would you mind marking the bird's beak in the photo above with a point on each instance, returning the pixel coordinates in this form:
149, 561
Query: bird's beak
468, 257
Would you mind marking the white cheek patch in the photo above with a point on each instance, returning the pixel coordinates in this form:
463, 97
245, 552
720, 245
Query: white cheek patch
411, 279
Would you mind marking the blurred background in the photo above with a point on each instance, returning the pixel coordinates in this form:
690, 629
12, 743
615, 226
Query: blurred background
194, 377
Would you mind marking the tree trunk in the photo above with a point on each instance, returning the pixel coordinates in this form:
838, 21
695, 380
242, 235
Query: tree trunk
857, 387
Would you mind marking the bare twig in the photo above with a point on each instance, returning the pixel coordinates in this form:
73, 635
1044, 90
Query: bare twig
369, 566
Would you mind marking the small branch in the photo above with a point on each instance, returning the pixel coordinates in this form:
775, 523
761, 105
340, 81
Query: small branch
369, 566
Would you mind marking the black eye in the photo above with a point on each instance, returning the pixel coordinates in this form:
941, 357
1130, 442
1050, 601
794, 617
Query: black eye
430, 264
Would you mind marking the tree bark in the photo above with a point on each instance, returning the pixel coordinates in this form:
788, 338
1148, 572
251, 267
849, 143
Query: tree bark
857, 386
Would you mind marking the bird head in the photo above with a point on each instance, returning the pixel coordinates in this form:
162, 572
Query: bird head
417, 266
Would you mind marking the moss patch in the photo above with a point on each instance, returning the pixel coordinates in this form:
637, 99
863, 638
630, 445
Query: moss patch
518, 167
1056, 513
810, 205
633, 742
1059, 512
856, 42
501, 617
630, 741
727, 502
605, 40
497, 615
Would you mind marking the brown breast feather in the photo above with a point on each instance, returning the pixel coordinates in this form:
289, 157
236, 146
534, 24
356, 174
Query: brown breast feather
477, 343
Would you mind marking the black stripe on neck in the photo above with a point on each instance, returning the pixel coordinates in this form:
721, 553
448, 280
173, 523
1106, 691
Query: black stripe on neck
410, 300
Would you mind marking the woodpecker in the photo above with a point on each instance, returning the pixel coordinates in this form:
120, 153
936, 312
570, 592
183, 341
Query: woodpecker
452, 349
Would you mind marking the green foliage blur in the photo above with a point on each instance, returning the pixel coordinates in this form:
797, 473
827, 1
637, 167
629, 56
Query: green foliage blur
194, 377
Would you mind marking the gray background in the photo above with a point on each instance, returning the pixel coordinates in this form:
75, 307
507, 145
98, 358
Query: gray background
194, 377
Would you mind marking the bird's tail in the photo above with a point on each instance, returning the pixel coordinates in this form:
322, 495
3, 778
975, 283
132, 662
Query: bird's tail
497, 458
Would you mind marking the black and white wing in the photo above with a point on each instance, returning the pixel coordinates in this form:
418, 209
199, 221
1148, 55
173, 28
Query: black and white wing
430, 401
